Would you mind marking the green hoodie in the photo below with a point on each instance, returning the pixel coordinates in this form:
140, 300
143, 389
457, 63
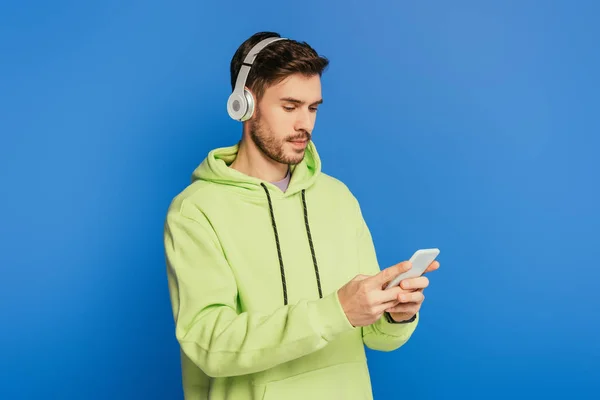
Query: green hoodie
253, 275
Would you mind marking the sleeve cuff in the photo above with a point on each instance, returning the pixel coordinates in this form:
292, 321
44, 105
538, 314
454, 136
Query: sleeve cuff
399, 329
391, 320
331, 317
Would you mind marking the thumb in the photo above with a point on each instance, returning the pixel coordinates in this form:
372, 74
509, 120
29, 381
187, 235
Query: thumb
390, 273
360, 277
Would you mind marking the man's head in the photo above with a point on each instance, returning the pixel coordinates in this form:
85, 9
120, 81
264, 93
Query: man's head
285, 81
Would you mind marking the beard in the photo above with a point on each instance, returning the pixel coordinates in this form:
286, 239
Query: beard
274, 148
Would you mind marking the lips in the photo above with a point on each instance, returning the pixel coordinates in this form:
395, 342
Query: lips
299, 144
301, 139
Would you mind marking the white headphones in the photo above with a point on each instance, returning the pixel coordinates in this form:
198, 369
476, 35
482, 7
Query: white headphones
240, 104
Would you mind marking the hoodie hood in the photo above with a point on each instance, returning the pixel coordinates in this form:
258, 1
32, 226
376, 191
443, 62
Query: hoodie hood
215, 168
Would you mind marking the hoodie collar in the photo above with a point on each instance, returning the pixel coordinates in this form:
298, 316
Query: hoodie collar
215, 168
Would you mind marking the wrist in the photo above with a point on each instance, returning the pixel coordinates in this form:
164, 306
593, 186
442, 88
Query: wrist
399, 319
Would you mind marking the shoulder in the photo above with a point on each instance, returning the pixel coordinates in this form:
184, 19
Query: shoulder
333, 184
188, 203
340, 191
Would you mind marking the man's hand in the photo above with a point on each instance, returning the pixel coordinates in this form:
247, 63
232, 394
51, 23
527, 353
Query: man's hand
363, 298
411, 297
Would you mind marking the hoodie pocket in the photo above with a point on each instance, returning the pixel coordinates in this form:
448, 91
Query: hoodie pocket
349, 381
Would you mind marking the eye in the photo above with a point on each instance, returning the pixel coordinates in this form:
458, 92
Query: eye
313, 109
288, 108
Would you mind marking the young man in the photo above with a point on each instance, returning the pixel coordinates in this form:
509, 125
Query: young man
272, 272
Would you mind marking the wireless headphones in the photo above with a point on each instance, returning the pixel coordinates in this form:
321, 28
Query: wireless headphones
240, 104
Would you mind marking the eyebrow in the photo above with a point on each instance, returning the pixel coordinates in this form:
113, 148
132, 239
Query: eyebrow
300, 102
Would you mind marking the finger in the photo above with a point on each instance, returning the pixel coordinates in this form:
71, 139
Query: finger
413, 297
411, 308
432, 267
385, 306
420, 282
388, 274
391, 294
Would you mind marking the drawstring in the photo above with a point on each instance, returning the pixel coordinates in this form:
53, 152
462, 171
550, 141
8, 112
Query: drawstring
310, 242
285, 300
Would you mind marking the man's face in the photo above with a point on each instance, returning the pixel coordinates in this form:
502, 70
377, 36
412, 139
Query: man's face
285, 117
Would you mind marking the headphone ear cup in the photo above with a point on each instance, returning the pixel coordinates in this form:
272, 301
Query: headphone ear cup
237, 106
249, 105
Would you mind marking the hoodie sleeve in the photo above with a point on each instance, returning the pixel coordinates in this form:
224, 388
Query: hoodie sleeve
209, 327
381, 335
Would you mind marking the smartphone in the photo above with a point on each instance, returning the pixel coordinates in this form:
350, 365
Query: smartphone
420, 260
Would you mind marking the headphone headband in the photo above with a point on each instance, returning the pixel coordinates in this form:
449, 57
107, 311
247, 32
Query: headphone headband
240, 104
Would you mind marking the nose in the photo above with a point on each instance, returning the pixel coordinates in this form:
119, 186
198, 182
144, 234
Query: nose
305, 121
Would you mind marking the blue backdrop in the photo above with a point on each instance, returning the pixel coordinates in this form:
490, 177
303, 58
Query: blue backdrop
461, 125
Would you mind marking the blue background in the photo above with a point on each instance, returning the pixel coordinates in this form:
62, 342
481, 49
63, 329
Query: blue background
469, 126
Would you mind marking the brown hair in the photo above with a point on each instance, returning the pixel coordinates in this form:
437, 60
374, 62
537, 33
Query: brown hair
276, 62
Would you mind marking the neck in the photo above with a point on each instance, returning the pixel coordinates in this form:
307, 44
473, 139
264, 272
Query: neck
253, 162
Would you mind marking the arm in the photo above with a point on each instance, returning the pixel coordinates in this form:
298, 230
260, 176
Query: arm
209, 327
381, 335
